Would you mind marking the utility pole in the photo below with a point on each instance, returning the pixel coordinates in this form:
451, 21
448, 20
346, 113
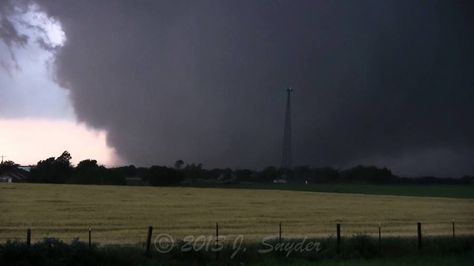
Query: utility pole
3, 156
286, 160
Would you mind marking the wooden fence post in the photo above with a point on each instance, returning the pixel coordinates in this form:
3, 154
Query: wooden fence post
148, 239
380, 239
279, 234
338, 234
454, 231
419, 235
217, 241
28, 237
90, 237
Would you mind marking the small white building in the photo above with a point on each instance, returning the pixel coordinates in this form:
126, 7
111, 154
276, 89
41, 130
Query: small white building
279, 181
6, 179
13, 176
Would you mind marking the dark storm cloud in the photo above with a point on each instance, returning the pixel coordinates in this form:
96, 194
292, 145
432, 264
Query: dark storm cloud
383, 82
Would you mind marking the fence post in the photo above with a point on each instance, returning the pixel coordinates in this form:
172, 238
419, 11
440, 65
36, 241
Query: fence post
279, 235
338, 234
380, 239
28, 237
148, 239
217, 241
454, 231
419, 235
90, 237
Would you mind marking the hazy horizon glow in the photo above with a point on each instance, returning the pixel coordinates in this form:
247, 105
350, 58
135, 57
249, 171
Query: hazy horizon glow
27, 141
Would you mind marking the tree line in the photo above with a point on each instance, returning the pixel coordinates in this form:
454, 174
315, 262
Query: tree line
60, 170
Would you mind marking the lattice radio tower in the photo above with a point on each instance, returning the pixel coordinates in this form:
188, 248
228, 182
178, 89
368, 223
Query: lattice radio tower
286, 160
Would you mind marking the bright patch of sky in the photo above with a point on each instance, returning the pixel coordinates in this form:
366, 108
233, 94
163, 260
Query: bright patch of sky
50, 138
36, 116
27, 87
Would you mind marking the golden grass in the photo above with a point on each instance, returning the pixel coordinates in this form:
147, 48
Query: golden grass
119, 214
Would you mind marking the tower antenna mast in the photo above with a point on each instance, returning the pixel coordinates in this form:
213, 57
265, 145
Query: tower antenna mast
286, 161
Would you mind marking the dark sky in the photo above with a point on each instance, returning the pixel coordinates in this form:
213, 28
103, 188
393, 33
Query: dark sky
389, 83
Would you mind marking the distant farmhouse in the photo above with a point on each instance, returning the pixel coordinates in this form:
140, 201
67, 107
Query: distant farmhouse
15, 175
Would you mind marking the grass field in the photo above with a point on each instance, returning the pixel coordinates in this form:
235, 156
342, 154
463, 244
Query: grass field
446, 191
120, 214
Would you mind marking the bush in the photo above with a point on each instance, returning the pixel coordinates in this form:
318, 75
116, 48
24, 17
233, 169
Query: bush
163, 176
54, 252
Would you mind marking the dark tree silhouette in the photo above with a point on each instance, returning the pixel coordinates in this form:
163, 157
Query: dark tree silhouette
179, 164
370, 174
7, 166
53, 170
163, 176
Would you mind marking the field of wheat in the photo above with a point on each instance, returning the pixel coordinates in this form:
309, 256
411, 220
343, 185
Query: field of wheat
121, 215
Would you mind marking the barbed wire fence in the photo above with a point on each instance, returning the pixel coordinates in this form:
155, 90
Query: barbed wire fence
280, 231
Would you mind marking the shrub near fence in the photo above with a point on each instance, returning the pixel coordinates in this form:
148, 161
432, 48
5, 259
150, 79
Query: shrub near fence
55, 252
